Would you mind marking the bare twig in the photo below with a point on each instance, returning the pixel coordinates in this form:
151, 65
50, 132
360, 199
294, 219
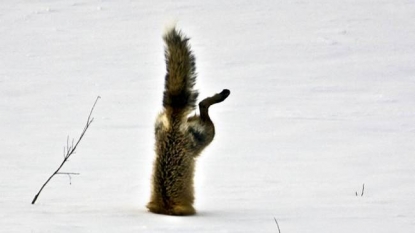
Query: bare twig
68, 151
69, 175
278, 225
363, 191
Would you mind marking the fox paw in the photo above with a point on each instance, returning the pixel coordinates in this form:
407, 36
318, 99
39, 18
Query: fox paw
182, 210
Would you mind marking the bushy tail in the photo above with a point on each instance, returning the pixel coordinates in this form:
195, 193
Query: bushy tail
181, 73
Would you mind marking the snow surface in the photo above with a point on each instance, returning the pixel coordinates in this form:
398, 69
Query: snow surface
322, 102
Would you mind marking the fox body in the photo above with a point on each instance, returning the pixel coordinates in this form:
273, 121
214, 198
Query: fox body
179, 138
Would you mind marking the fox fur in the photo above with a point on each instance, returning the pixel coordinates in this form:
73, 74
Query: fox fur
179, 138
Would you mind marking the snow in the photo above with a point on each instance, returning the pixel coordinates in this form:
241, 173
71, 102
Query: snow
322, 102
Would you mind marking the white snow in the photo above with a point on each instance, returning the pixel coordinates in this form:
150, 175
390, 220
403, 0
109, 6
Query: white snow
322, 102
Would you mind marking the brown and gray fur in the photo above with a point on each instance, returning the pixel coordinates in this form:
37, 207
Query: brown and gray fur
179, 138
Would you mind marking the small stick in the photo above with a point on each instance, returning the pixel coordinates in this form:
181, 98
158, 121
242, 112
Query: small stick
363, 190
68, 173
279, 231
69, 151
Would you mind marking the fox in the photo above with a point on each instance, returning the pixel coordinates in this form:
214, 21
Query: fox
180, 137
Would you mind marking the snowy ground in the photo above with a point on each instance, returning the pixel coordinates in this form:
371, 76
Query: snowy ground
322, 102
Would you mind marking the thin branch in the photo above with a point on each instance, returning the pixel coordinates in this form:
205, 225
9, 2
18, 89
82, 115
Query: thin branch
278, 225
363, 190
68, 173
69, 151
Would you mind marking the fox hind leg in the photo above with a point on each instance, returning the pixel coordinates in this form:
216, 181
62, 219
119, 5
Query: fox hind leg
182, 210
156, 208
207, 102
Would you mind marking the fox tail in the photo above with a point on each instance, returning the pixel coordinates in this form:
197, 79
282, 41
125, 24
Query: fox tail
179, 94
